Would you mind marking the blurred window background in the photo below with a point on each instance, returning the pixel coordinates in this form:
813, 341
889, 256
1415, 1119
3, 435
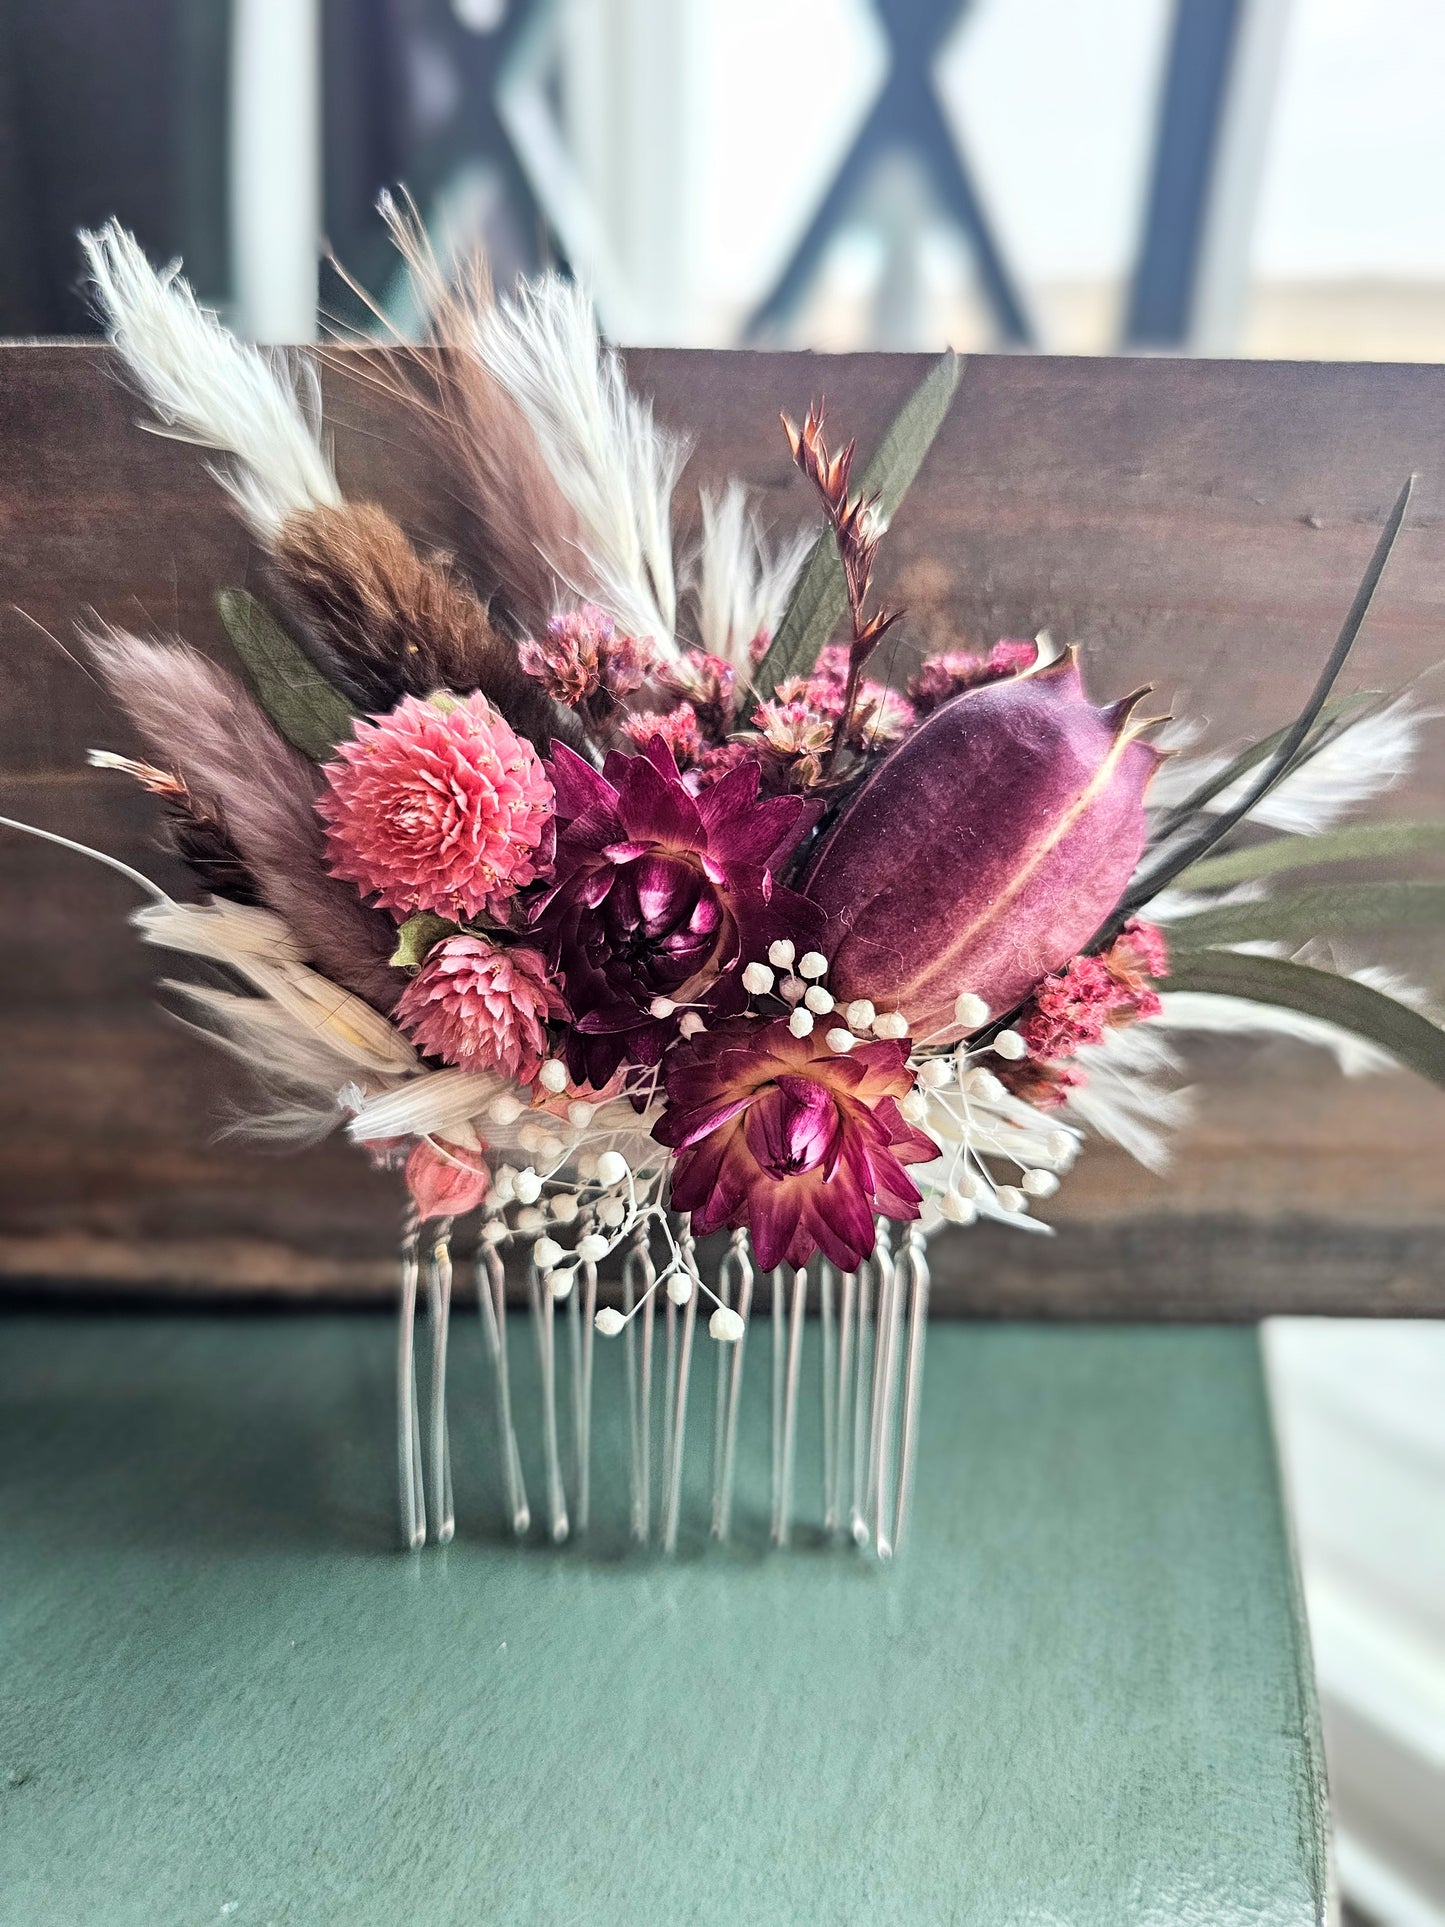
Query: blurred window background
1224, 177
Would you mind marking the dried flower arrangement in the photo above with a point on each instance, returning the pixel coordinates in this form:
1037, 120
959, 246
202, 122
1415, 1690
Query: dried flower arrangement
609, 897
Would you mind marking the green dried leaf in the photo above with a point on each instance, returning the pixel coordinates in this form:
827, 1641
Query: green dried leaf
1300, 915
819, 600
307, 710
1412, 1039
418, 935
1361, 843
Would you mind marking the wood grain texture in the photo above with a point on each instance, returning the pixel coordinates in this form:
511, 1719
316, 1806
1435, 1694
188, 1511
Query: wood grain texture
1082, 1695
1201, 525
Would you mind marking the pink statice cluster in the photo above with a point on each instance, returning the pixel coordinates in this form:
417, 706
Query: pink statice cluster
942, 677
584, 663
1092, 993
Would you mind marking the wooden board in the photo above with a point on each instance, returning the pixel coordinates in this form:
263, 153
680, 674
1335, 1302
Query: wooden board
1083, 1694
1198, 524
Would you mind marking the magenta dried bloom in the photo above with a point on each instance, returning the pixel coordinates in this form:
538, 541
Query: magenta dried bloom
802, 1145
660, 897
986, 851
481, 1007
437, 806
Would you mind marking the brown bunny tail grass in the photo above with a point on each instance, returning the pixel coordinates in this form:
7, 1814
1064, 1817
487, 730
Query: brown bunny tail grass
398, 623
202, 724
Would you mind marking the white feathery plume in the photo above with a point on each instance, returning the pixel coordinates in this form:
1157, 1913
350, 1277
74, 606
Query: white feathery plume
1130, 1097
223, 931
1365, 758
740, 586
260, 948
206, 387
608, 456
1201, 1012
1170, 905
433, 1104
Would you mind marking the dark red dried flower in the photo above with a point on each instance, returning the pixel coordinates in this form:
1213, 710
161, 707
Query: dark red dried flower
659, 897
803, 1145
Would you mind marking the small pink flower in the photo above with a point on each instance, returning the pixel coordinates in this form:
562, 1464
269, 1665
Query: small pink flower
583, 658
437, 806
446, 1180
480, 1007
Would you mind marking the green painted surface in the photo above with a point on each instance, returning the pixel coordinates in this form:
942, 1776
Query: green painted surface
1083, 1698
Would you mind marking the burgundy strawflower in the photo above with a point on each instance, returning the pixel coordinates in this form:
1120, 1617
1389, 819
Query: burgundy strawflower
438, 806
584, 663
678, 728
949, 674
659, 898
801, 1144
481, 1007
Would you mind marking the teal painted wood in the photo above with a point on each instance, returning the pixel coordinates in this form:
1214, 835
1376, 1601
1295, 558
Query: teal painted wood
1084, 1697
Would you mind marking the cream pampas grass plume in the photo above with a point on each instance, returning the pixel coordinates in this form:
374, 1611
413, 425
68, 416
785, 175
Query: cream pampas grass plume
615, 466
740, 586
202, 723
205, 386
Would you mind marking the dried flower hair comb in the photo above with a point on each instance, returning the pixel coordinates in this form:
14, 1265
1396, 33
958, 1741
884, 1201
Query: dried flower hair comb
620, 908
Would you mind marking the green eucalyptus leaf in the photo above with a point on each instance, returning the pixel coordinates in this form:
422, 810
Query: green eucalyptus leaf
308, 710
417, 936
1297, 916
1361, 843
819, 600
1412, 1039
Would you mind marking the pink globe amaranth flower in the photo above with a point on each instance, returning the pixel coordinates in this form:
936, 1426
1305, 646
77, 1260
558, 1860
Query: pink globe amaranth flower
985, 851
446, 1180
439, 806
802, 1145
481, 1007
658, 893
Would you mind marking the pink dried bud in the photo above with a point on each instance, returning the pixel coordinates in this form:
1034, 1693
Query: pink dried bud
942, 677
480, 1007
761, 643
446, 1180
1045, 1086
986, 850
678, 728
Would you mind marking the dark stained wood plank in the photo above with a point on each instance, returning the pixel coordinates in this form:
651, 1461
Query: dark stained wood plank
1198, 524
